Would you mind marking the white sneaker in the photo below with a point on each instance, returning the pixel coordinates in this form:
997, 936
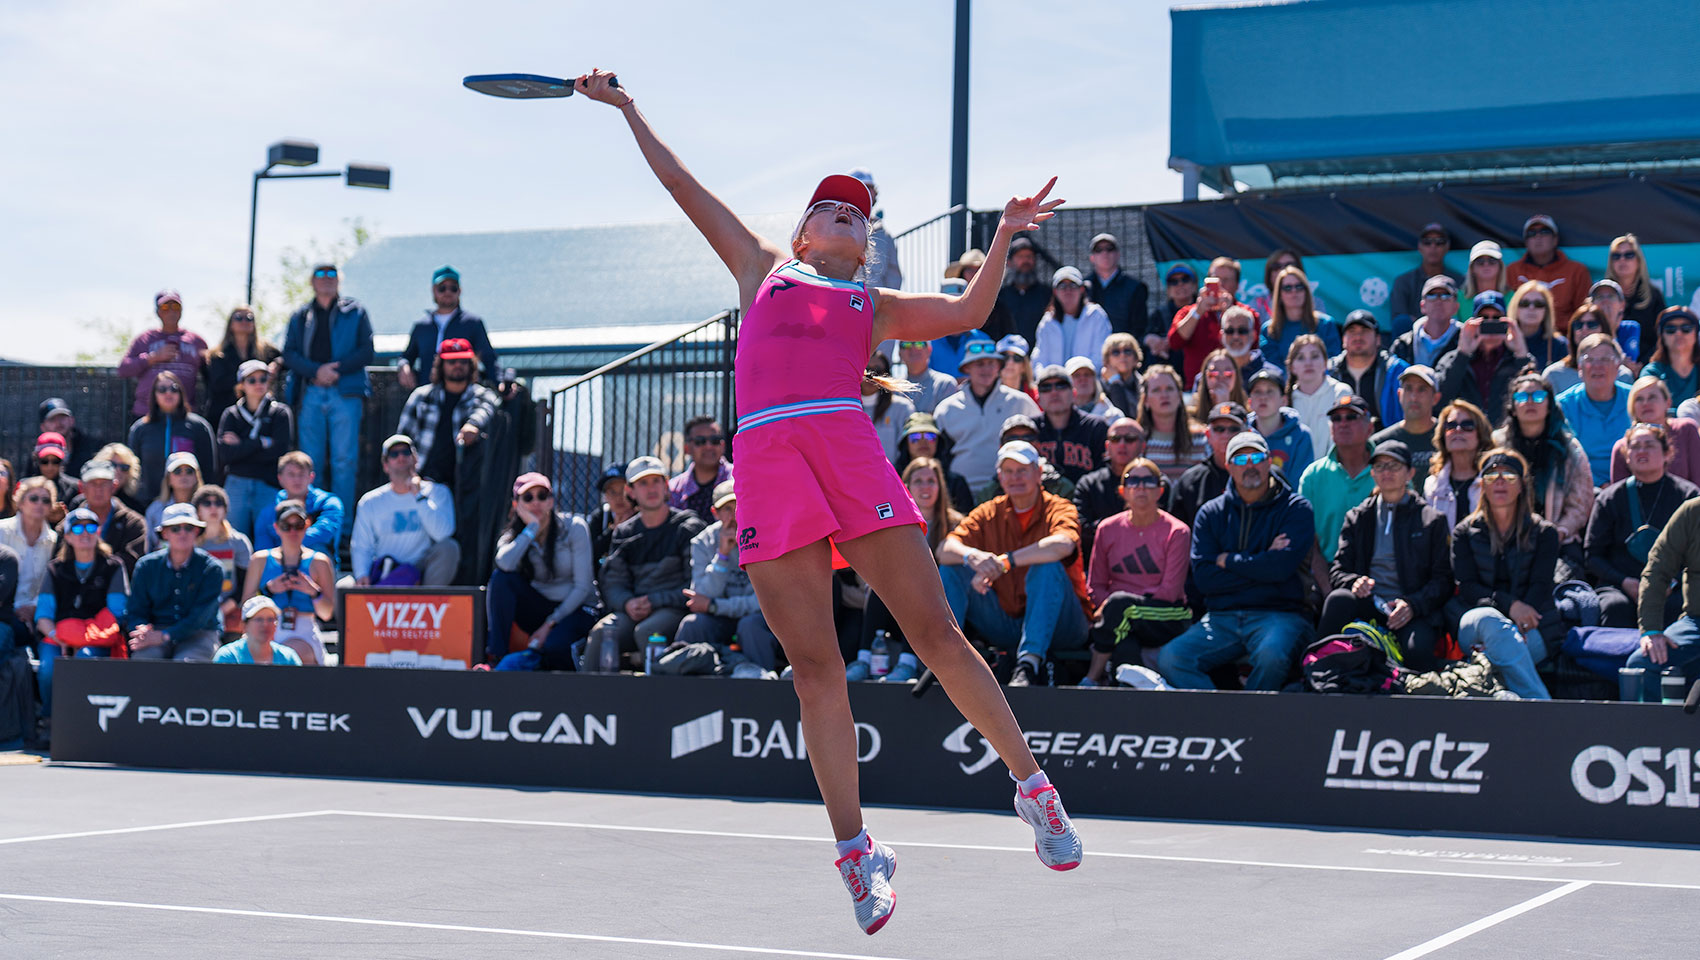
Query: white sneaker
1055, 841
868, 878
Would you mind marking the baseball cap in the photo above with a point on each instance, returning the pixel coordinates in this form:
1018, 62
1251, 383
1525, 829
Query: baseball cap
1422, 372
250, 367
644, 467
979, 347
1265, 374
1014, 343
51, 406
1227, 411
1350, 402
181, 458
1439, 281
292, 508
612, 472
724, 494
167, 296
99, 470
1182, 268
179, 514
1066, 275
1360, 318
83, 514
1079, 363
50, 442
456, 349
395, 438
258, 604
1607, 283
1247, 440
1020, 451
1543, 219
1103, 238
1489, 298
1392, 448
445, 272
526, 481
846, 189
1431, 227
920, 423
1018, 420
1486, 248
1050, 371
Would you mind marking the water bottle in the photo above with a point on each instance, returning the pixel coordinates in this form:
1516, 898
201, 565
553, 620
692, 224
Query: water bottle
652, 652
608, 656
881, 649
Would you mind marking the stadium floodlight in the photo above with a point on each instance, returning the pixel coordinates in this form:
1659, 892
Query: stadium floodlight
304, 153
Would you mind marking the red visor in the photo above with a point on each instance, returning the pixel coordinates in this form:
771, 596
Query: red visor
847, 189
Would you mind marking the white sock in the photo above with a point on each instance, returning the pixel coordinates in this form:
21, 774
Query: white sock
865, 655
859, 842
1033, 783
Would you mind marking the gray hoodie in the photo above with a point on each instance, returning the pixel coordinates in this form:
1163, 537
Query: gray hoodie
721, 580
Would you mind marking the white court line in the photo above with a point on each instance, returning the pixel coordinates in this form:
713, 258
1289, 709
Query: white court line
445, 927
167, 826
1447, 939
676, 831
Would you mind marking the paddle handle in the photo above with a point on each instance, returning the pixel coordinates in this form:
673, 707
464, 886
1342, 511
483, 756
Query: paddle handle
572, 88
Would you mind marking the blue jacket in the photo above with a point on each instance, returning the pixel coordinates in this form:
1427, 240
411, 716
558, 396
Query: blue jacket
422, 344
351, 346
1254, 577
1275, 351
175, 601
323, 535
1392, 411
1291, 445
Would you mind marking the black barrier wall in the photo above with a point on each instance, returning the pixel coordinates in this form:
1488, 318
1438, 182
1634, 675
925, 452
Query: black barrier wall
1617, 771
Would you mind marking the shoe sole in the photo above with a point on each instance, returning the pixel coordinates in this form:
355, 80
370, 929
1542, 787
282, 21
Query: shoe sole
879, 924
1059, 867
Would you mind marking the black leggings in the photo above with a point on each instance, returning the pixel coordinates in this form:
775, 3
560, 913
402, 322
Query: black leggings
1416, 639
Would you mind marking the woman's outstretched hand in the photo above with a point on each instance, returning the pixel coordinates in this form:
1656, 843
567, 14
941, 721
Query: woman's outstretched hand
598, 85
1026, 213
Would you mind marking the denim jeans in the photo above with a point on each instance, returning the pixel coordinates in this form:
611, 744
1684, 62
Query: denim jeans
755, 638
329, 418
1684, 635
1271, 638
247, 498
1053, 615
512, 600
1515, 652
197, 646
44, 675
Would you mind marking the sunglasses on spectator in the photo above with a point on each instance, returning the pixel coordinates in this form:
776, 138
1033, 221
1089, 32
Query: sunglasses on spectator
242, 318
1386, 465
1018, 435
1227, 428
168, 388
1440, 295
1142, 480
1345, 417
292, 526
529, 497
913, 344
55, 461
1540, 232
1623, 254
1218, 374
257, 378
1598, 359
38, 499
1434, 242
1126, 438
121, 467
1293, 288
1529, 396
181, 528
981, 348
79, 529
1502, 476
184, 471
1051, 386
1104, 248
926, 435
708, 440
398, 451
210, 502
1250, 458
1178, 280
1127, 351
1236, 331
1461, 426
1677, 328
448, 288
326, 273
1580, 325
1539, 304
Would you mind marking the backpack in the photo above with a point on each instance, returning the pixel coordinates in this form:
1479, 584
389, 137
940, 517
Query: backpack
1346, 663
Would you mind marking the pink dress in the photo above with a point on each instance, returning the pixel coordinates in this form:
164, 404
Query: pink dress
810, 465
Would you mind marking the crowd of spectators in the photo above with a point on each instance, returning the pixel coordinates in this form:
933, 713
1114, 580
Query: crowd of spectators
1201, 488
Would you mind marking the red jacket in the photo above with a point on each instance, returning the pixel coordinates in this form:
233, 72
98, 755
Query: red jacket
1206, 336
1568, 279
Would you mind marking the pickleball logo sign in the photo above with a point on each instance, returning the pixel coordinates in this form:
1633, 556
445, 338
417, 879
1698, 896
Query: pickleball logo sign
1161, 753
756, 739
110, 707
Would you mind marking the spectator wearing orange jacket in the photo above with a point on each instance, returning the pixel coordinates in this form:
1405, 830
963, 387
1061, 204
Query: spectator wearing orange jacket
1543, 261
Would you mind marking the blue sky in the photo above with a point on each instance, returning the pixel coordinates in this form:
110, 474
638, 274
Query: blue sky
134, 128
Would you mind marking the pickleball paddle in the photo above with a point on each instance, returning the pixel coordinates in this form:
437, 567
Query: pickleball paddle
521, 86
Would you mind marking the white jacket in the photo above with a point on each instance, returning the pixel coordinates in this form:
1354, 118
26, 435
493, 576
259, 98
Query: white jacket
973, 428
1088, 340
1313, 412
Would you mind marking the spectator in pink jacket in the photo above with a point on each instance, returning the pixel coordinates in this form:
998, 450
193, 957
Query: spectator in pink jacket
170, 347
1649, 402
1137, 579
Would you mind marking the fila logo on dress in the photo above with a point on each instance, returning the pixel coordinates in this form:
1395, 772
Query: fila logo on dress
856, 301
884, 510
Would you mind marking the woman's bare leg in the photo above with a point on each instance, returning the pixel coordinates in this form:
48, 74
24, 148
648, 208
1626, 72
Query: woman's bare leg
795, 592
893, 562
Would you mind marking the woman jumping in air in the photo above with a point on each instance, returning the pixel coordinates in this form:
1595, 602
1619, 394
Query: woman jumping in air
812, 474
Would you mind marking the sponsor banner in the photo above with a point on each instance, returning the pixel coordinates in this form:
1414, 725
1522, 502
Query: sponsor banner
1595, 770
420, 628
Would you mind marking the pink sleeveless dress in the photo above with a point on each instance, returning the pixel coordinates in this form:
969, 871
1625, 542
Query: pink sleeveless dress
810, 465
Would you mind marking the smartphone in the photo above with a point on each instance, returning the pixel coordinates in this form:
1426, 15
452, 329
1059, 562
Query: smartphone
1491, 328
1212, 286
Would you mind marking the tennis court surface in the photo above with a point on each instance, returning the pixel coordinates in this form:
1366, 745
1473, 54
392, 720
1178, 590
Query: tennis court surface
135, 863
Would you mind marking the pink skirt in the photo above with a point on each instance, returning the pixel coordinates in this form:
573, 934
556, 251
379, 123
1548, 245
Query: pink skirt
815, 477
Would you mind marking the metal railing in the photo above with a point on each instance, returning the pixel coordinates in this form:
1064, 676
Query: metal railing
1067, 240
637, 406
923, 251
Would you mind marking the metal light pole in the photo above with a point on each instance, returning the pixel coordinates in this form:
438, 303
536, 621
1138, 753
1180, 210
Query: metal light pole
303, 153
959, 138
